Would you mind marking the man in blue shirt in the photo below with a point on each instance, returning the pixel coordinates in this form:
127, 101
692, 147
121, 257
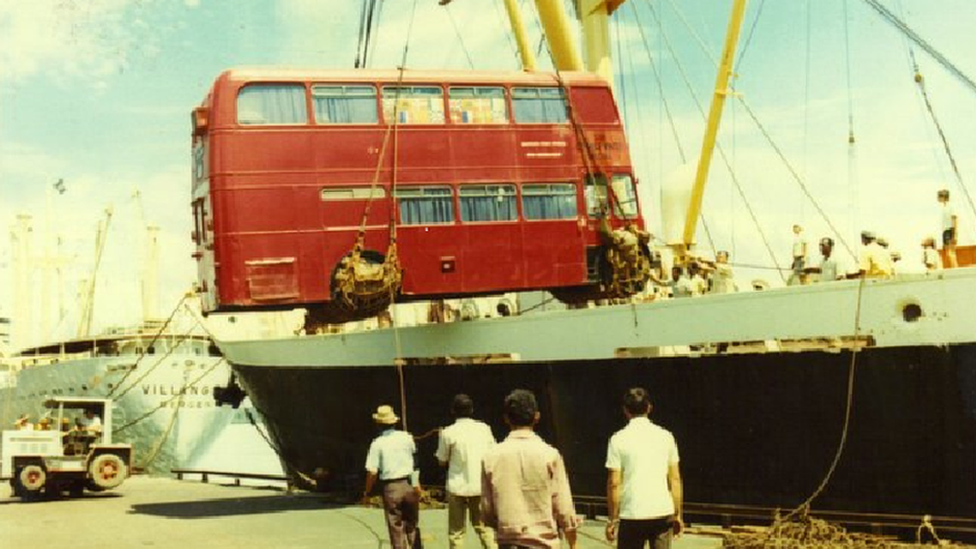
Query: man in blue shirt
391, 461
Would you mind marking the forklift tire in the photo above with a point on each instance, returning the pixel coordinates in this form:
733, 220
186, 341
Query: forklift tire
107, 471
31, 479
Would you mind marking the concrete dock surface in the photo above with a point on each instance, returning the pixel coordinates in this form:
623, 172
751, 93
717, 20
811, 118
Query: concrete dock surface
167, 513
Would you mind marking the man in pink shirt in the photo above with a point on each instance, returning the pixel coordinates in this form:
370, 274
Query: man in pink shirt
525, 493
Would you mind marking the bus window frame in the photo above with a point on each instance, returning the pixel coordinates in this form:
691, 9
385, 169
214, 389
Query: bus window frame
382, 86
574, 194
309, 115
506, 99
396, 198
470, 185
377, 99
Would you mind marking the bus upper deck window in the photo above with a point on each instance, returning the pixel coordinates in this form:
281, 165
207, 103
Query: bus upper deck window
539, 106
413, 104
478, 105
264, 104
344, 104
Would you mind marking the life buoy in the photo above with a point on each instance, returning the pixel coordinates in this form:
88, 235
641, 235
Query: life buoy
107, 471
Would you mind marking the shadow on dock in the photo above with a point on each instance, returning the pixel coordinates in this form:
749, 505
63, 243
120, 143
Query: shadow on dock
225, 507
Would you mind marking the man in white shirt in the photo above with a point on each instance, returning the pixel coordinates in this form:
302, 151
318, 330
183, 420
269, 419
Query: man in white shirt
391, 461
461, 448
799, 255
90, 422
644, 490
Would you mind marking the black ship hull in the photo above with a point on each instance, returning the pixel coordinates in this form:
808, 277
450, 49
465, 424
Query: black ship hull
752, 429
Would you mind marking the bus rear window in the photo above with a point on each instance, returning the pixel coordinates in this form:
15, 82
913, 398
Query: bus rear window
344, 104
488, 203
549, 201
425, 205
414, 104
539, 106
478, 105
259, 104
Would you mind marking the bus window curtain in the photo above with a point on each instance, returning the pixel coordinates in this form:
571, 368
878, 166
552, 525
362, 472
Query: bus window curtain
422, 211
537, 207
488, 208
272, 104
345, 110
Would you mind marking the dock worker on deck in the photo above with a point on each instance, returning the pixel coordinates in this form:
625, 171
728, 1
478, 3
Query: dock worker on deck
391, 461
799, 256
873, 261
461, 448
644, 488
950, 228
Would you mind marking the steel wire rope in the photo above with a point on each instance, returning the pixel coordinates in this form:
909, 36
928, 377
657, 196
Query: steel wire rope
170, 351
508, 33
359, 38
921, 42
920, 80
164, 436
920, 103
748, 40
855, 349
152, 342
718, 146
796, 177
775, 147
457, 31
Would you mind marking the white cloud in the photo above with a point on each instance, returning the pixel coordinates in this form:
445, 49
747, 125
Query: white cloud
191, 3
52, 38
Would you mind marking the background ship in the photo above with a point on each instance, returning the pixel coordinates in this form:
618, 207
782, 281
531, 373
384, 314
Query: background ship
160, 372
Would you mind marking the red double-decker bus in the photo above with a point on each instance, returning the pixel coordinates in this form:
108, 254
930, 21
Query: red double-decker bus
488, 182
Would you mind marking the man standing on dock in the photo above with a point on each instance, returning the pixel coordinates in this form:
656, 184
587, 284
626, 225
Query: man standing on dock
644, 490
799, 256
461, 449
525, 493
391, 460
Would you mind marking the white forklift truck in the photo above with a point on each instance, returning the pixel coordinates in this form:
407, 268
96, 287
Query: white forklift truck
67, 457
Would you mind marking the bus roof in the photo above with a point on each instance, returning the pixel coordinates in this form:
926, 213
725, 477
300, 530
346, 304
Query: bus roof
289, 74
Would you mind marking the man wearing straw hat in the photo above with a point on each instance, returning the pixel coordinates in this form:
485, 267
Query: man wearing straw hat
391, 461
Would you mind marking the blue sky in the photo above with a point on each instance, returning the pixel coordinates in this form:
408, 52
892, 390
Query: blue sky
99, 92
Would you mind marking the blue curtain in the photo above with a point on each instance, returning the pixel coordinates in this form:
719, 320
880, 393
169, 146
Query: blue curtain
560, 206
345, 110
488, 208
272, 104
428, 209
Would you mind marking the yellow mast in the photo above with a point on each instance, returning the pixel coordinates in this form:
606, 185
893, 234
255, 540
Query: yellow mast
714, 117
521, 37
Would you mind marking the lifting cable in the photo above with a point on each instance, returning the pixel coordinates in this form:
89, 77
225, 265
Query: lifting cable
779, 153
172, 349
718, 146
146, 349
920, 80
457, 31
849, 404
914, 37
508, 32
365, 29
